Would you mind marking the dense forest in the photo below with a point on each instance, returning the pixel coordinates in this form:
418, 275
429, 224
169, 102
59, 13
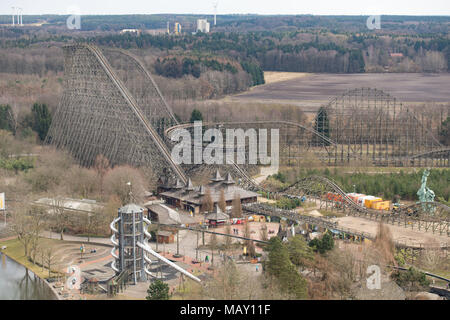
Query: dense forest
301, 43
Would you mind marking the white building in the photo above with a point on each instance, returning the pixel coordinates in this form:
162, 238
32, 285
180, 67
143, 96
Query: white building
135, 31
202, 25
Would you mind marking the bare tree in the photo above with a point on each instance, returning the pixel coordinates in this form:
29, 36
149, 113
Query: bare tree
116, 183
60, 216
28, 222
101, 166
110, 210
263, 232
228, 240
207, 203
222, 203
49, 259
237, 207
213, 243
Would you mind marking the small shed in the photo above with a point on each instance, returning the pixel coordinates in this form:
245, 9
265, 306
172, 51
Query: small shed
165, 237
218, 217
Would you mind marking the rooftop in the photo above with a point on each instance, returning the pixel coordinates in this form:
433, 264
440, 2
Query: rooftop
218, 214
71, 204
129, 208
169, 216
218, 184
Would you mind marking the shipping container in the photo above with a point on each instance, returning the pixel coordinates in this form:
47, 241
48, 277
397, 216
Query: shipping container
362, 200
355, 196
368, 202
381, 205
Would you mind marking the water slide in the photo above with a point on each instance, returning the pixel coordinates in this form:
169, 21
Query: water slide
149, 250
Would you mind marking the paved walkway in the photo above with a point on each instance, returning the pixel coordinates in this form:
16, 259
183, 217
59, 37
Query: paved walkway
54, 235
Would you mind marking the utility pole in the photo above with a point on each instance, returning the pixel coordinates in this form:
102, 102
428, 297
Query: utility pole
196, 250
178, 243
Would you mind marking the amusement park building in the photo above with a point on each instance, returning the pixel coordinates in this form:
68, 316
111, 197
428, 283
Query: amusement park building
190, 198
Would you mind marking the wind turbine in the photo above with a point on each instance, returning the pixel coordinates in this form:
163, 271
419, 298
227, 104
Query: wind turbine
215, 5
19, 16
13, 14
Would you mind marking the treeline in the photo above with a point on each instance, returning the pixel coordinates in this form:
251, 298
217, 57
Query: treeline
177, 67
37, 61
385, 185
267, 49
247, 22
308, 51
255, 71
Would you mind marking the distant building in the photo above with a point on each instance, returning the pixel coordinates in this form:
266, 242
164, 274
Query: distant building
155, 32
165, 237
83, 205
177, 28
396, 55
160, 213
202, 25
190, 198
217, 218
133, 31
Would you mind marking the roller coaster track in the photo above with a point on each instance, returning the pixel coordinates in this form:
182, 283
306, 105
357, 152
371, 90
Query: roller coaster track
147, 74
132, 103
334, 187
170, 130
428, 153
418, 214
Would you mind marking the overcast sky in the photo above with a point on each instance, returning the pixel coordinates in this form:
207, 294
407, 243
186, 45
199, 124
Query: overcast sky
318, 7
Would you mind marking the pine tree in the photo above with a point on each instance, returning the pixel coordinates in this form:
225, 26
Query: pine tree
222, 203
322, 126
196, 115
158, 290
281, 268
41, 120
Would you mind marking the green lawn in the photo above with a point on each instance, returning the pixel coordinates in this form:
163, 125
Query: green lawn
15, 251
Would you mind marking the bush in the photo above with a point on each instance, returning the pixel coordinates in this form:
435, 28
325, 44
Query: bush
411, 280
326, 243
196, 115
158, 290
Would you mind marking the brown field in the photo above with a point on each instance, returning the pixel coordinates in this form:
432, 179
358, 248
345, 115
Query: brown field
273, 77
312, 90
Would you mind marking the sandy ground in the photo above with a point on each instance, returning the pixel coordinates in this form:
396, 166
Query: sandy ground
314, 213
399, 233
265, 172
